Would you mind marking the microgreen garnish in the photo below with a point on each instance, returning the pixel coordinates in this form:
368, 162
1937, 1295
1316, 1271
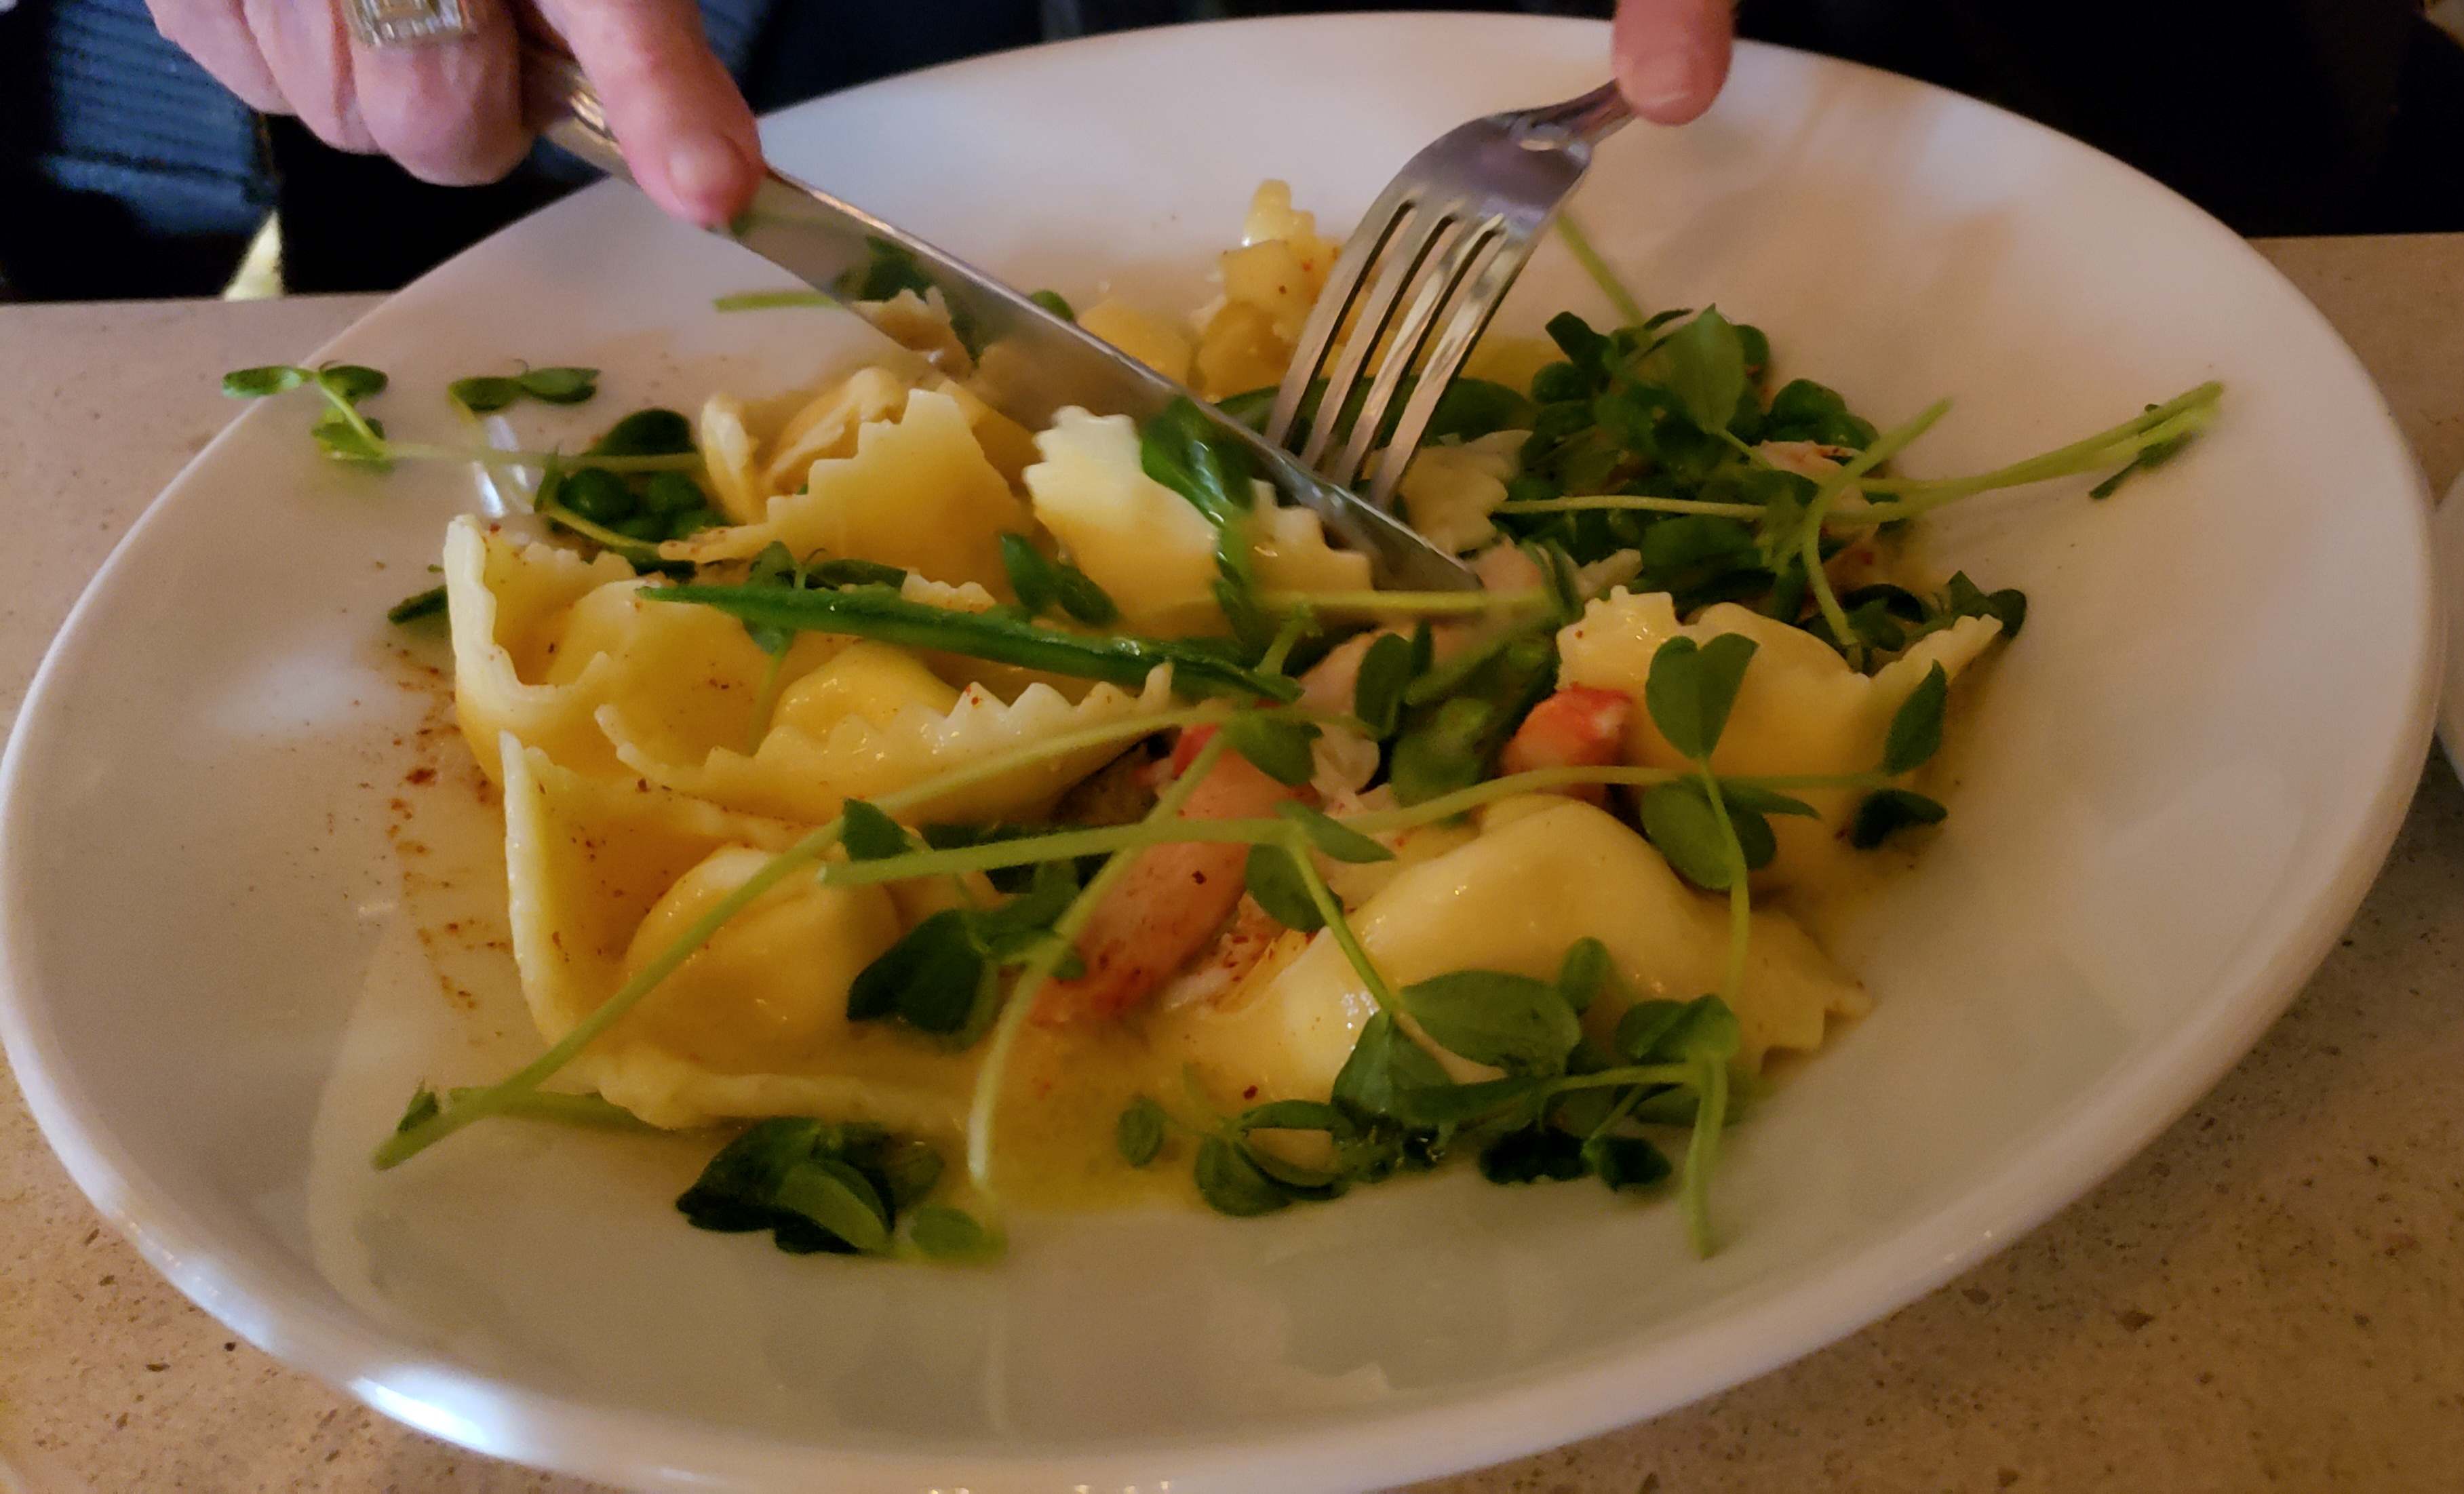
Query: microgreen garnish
419, 604
1514, 1022
1181, 451
1579, 244
943, 975
1888, 811
1044, 584
1054, 302
880, 613
813, 1185
952, 1237
344, 434
483, 393
773, 300
1138, 1135
1386, 670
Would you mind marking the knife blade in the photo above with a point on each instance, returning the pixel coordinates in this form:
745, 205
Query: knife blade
1029, 363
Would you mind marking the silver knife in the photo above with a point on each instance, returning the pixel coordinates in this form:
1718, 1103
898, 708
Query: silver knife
1029, 363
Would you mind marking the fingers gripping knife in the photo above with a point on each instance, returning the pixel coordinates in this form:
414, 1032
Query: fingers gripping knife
1029, 363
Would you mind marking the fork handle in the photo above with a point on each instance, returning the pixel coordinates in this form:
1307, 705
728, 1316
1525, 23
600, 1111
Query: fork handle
1589, 119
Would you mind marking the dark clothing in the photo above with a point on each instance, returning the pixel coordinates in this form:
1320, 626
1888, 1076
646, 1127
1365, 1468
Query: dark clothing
126, 170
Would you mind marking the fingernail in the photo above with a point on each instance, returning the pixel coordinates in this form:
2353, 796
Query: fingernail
1665, 78
706, 173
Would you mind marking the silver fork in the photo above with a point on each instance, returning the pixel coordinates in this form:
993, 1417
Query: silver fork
1441, 246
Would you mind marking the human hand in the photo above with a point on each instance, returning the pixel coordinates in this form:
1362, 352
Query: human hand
451, 111
1672, 56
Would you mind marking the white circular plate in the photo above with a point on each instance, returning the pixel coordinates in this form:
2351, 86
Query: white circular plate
2447, 526
2179, 782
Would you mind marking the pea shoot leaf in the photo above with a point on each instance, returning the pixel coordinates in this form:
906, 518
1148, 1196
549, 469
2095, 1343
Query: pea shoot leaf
1691, 688
1293, 1116
773, 566
1535, 1153
928, 979
1747, 798
560, 386
647, 433
1279, 746
836, 1200
1888, 811
1138, 1135
1804, 410
868, 834
1336, 840
890, 269
1385, 1064
251, 384
1702, 362
1181, 449
1669, 1032
1054, 302
1030, 574
1625, 1161
421, 1109
1916, 728
815, 1186
1587, 971
1963, 598
1646, 1025
417, 605
1677, 820
1279, 888
483, 393
1231, 1183
833, 575
953, 1236
353, 382
1508, 1022
345, 442
1584, 347
1386, 670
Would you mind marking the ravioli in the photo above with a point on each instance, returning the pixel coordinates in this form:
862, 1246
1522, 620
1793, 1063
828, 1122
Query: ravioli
1542, 875
604, 873
916, 493
1801, 708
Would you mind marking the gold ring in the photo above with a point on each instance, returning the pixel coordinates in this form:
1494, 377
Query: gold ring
406, 23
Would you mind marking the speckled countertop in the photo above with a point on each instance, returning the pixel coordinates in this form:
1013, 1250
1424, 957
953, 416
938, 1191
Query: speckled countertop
2272, 1296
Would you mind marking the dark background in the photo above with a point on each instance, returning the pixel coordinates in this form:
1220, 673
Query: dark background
126, 171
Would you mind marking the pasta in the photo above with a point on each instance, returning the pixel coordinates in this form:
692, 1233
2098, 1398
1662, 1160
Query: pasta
1062, 799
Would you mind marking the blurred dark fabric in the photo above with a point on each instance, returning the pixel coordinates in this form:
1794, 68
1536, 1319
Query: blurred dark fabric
127, 172
125, 168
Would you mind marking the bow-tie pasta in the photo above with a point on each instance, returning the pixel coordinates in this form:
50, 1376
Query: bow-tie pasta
875, 720
542, 640
916, 493
1149, 546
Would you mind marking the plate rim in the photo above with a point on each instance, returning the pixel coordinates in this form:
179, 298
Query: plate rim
2105, 1126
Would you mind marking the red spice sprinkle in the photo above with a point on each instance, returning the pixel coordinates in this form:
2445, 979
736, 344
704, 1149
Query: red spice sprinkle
1250, 1093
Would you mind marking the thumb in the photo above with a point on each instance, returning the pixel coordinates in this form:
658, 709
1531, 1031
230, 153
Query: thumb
685, 129
1672, 56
